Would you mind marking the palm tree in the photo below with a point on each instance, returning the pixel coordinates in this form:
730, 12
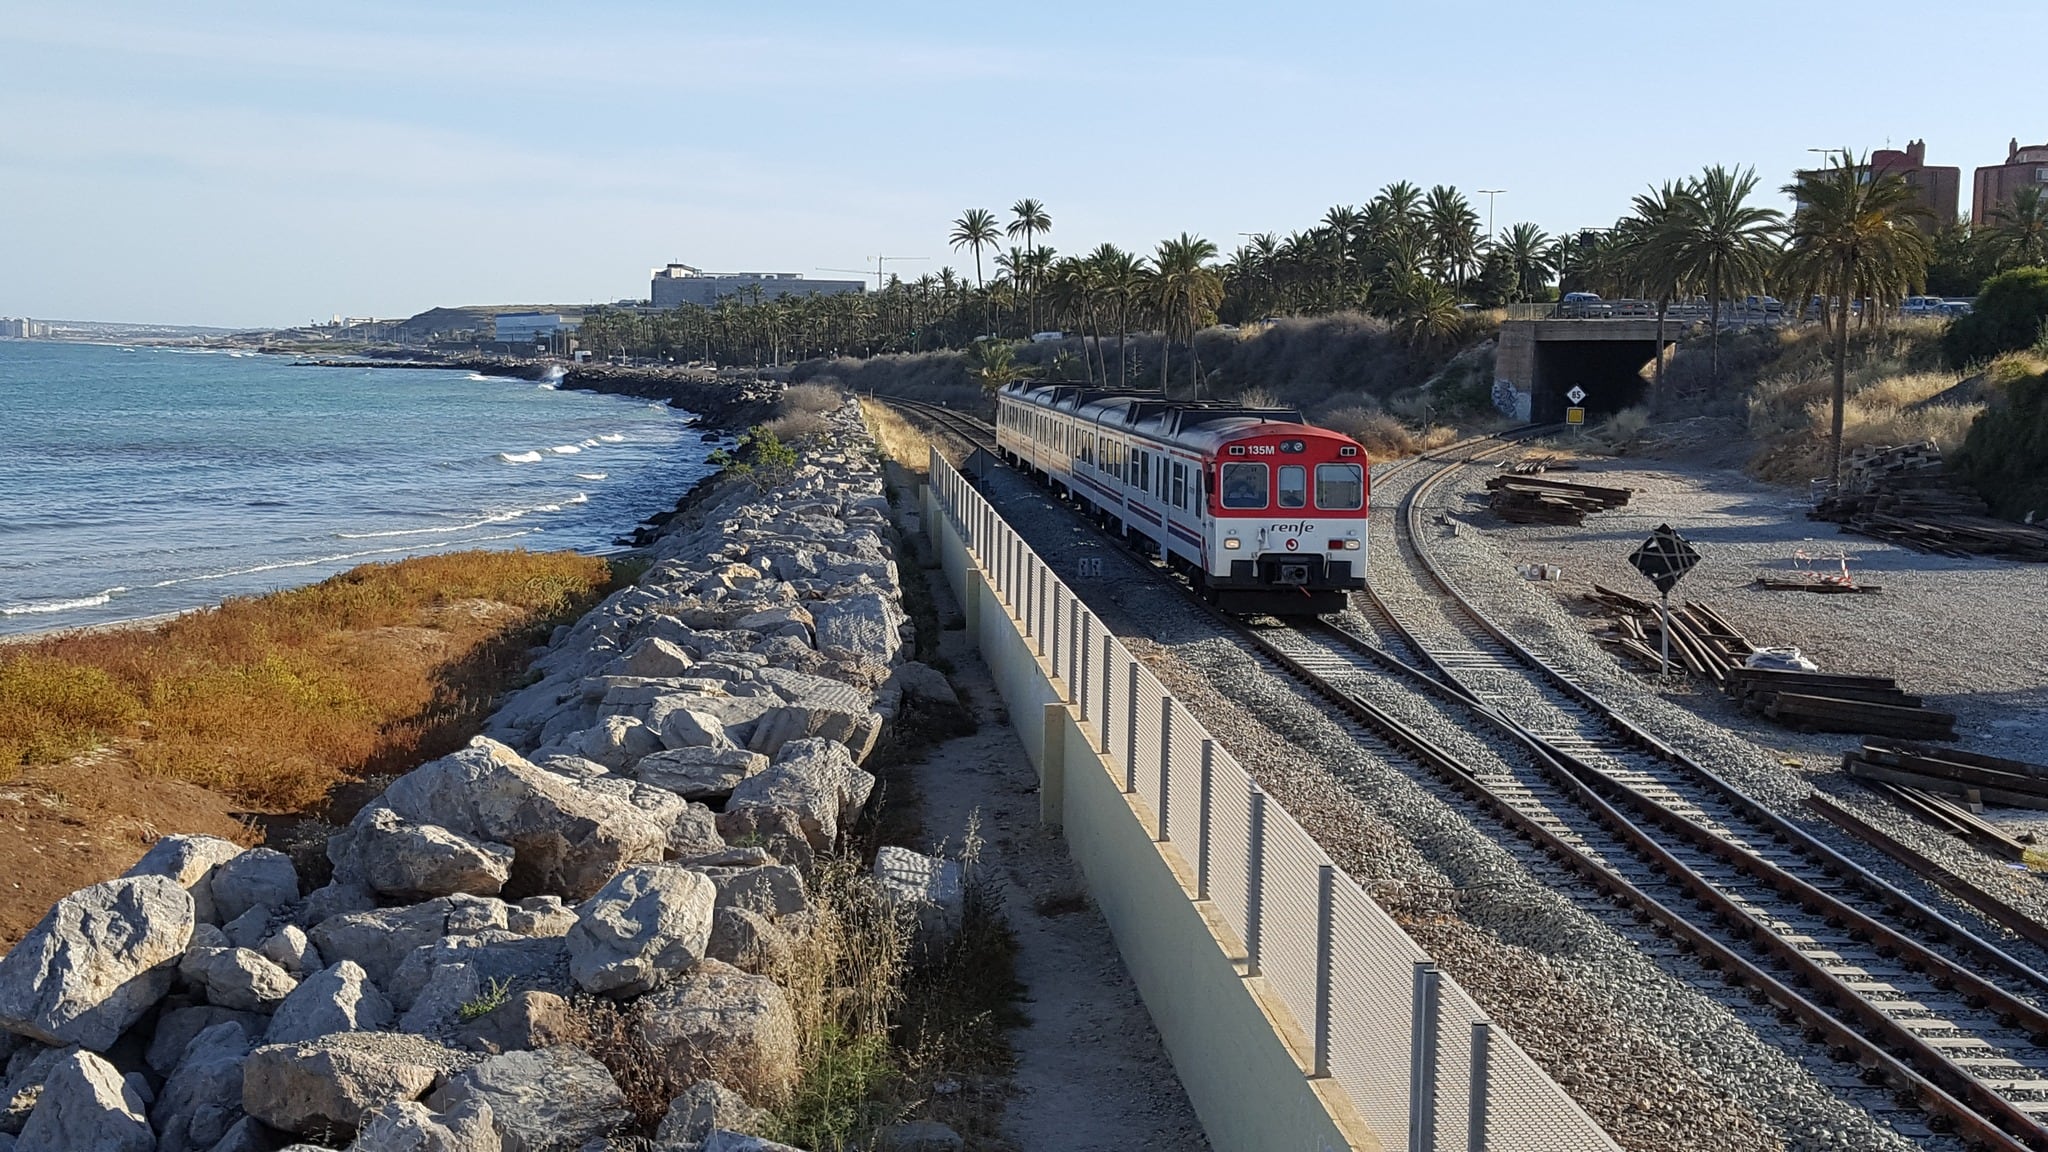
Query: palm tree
1453, 234
1186, 291
1426, 312
2021, 229
1121, 278
1526, 249
1649, 252
1855, 233
976, 229
1029, 217
1725, 244
995, 364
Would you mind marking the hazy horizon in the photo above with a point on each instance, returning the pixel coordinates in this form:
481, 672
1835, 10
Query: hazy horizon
230, 165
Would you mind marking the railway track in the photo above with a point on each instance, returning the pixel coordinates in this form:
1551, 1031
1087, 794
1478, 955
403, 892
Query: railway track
1937, 1016
1936, 1011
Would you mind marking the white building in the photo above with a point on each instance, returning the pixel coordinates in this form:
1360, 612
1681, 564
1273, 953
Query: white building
682, 284
23, 328
512, 327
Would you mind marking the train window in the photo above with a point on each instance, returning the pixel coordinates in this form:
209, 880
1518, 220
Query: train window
1293, 486
1340, 487
1244, 485
1180, 485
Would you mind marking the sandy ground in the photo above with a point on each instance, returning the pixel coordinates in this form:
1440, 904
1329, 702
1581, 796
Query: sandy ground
1091, 1073
1970, 635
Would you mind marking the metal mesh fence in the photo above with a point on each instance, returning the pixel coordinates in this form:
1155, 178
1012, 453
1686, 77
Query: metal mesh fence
1339, 964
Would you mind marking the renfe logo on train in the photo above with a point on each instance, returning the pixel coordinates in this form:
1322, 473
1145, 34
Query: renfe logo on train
1263, 512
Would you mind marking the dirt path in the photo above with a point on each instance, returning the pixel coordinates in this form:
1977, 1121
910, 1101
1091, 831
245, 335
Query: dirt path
1091, 1074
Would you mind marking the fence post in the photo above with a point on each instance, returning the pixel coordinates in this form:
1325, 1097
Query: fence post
1131, 726
1422, 1060
1053, 640
1039, 630
1475, 1110
1255, 883
1326, 932
1165, 764
1081, 659
1108, 653
1077, 663
1202, 846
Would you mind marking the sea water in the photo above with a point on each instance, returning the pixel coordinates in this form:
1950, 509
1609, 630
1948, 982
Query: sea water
136, 481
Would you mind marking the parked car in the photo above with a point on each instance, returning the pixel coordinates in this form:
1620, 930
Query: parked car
1923, 306
1957, 307
1584, 305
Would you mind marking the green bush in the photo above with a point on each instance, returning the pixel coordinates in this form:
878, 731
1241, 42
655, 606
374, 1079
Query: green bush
2009, 316
2005, 457
759, 455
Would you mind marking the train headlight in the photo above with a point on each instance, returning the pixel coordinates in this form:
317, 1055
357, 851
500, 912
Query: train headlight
1231, 543
1351, 545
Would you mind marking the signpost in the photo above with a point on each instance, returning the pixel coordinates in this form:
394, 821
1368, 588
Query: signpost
1664, 559
1575, 415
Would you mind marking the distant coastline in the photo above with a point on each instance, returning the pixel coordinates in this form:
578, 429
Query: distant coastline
720, 402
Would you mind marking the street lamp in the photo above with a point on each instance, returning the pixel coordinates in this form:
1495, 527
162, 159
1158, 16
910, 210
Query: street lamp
1490, 193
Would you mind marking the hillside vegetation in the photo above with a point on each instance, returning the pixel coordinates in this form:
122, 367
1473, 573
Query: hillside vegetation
1350, 371
2005, 456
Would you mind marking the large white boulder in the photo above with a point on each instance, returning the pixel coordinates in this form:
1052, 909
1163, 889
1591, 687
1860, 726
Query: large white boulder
202, 1097
699, 773
645, 927
381, 940
191, 861
258, 878
336, 1081
566, 839
98, 960
552, 1100
817, 780
409, 1126
866, 624
237, 978
86, 1103
719, 1023
336, 999
408, 861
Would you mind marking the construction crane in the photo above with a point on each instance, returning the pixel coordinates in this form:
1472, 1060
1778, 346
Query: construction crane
876, 271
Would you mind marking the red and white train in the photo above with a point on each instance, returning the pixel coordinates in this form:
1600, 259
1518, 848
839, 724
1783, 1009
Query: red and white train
1263, 512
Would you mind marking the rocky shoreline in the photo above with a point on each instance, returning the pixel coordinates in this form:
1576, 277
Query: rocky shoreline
728, 401
635, 834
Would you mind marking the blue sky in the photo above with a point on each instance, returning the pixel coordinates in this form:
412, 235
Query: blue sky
260, 164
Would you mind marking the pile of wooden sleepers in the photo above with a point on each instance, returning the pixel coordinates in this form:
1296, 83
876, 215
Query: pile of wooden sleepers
1925, 775
1705, 644
1701, 641
1832, 702
1533, 500
1900, 495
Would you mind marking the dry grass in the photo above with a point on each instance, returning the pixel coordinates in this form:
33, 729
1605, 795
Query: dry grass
273, 699
898, 439
1793, 416
796, 426
818, 397
1385, 436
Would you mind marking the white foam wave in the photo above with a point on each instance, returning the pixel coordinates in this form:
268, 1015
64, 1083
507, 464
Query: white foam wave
547, 387
40, 607
520, 457
335, 559
612, 437
479, 377
590, 475
581, 498
505, 517
591, 443
566, 449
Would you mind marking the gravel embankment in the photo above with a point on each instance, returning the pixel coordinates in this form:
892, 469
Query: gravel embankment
1654, 1046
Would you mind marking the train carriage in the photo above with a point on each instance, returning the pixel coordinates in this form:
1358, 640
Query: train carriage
1263, 512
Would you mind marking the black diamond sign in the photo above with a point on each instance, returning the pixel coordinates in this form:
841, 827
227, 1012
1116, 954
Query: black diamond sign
1664, 558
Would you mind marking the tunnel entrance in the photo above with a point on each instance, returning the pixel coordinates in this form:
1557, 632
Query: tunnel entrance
1611, 372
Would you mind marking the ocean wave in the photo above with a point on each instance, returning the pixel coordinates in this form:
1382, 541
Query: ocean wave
505, 517
590, 443
334, 559
39, 607
520, 457
590, 475
546, 387
479, 377
612, 437
581, 498
566, 449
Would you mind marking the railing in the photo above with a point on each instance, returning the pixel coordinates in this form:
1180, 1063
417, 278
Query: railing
1354, 982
